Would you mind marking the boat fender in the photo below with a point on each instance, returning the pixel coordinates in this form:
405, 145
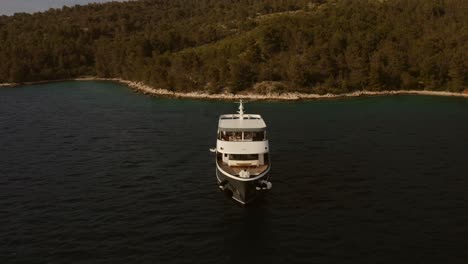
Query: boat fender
222, 185
264, 185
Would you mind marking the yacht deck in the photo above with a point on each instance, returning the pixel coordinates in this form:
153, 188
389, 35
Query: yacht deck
235, 170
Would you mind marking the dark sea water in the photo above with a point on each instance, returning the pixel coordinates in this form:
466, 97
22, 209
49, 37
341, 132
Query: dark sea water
91, 172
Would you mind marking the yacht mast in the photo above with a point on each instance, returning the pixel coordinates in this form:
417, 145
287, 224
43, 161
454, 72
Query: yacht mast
241, 110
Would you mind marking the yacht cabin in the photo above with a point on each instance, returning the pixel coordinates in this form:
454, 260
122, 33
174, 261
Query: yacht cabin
242, 145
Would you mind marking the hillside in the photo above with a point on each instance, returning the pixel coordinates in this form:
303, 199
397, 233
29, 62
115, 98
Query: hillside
235, 45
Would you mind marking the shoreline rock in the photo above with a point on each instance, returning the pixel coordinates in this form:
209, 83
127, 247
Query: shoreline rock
287, 96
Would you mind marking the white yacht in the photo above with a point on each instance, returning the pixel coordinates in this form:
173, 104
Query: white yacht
242, 155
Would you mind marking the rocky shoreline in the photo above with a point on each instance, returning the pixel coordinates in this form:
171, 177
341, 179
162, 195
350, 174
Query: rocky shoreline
146, 89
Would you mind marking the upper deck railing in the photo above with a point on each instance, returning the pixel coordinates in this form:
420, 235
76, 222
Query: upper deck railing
238, 116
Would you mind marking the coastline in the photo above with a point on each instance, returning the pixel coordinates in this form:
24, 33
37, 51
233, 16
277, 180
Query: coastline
289, 96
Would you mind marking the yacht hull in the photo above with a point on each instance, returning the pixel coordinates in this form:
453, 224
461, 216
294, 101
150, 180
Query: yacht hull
243, 191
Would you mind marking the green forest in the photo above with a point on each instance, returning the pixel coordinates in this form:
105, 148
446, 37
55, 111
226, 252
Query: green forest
311, 46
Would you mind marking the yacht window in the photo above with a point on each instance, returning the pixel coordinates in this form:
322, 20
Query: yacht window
224, 136
239, 136
258, 136
233, 136
243, 156
248, 135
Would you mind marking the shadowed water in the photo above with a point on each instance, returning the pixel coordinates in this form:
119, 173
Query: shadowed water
91, 172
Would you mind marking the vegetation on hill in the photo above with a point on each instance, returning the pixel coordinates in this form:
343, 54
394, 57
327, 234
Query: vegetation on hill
313, 46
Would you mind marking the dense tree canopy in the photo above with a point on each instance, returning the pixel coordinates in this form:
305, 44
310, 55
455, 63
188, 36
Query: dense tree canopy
215, 45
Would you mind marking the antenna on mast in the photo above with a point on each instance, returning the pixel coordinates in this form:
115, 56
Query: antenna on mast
241, 110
